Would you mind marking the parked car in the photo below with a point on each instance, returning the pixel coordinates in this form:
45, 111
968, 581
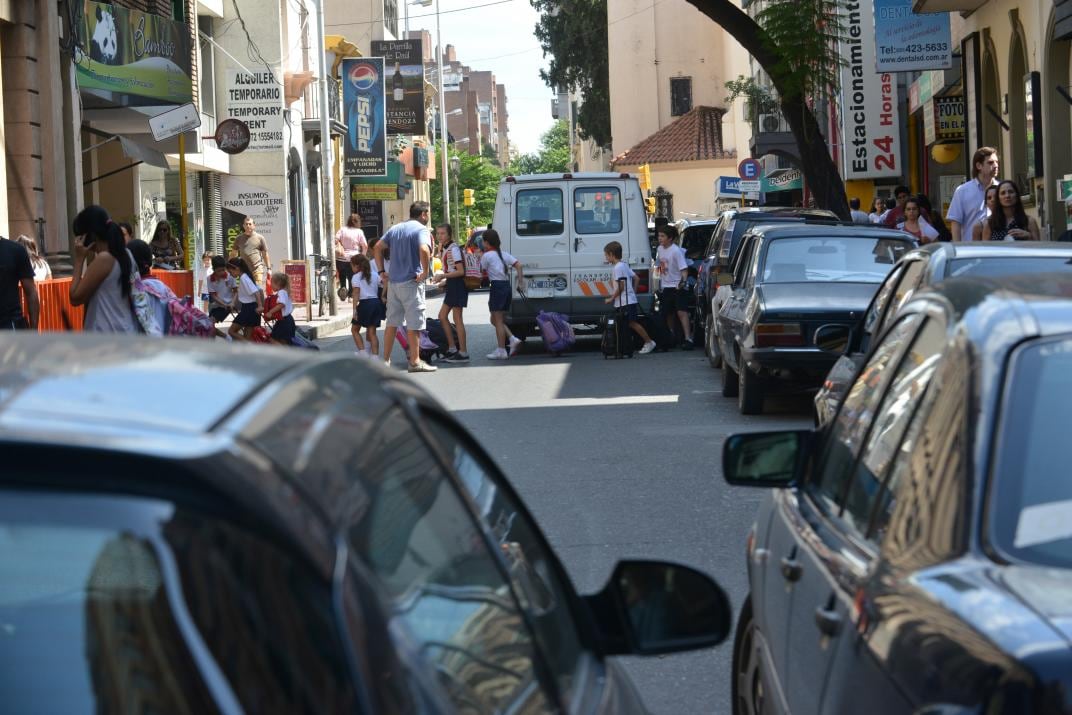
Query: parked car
720, 255
289, 534
918, 269
914, 556
792, 282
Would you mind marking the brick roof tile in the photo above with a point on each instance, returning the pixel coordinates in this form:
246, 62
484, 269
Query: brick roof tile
695, 136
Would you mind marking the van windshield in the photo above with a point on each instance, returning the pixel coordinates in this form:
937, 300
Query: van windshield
539, 212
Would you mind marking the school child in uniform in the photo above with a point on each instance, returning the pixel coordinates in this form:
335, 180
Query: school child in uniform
624, 295
282, 312
220, 287
250, 300
368, 309
456, 296
498, 264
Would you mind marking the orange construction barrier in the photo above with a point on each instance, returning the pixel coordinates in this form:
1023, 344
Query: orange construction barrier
57, 313
180, 282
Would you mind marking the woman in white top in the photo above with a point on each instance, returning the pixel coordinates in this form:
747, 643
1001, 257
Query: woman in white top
104, 286
498, 264
42, 271
349, 242
917, 225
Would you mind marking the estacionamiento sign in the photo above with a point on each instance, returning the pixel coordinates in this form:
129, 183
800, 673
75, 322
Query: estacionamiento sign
133, 58
403, 61
870, 122
256, 98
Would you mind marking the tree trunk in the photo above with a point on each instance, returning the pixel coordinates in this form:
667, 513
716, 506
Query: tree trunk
820, 171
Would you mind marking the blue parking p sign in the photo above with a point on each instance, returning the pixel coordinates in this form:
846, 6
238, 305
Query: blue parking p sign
750, 169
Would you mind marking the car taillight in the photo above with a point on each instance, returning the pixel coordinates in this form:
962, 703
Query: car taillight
779, 335
644, 284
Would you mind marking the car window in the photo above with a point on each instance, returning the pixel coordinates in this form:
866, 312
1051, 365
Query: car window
596, 209
849, 429
131, 604
1007, 265
539, 212
543, 588
694, 240
907, 388
418, 537
711, 250
726, 243
882, 297
742, 268
910, 281
826, 258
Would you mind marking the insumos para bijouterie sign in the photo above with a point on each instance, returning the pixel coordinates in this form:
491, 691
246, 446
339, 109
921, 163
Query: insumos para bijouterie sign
363, 99
870, 125
404, 62
133, 58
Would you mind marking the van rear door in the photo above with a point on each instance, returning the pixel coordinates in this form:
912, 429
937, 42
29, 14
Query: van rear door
539, 238
599, 217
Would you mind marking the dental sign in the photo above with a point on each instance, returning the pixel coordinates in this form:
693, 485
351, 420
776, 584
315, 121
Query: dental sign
870, 120
905, 41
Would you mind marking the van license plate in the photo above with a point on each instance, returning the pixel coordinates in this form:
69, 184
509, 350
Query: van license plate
541, 288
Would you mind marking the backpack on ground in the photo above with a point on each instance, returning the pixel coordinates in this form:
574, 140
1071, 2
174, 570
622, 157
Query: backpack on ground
617, 339
437, 334
474, 276
556, 331
427, 349
301, 340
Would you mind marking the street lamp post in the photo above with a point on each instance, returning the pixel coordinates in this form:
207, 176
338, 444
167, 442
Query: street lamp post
327, 160
456, 167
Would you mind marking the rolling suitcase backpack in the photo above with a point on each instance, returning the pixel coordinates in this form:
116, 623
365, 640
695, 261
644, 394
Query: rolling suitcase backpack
617, 340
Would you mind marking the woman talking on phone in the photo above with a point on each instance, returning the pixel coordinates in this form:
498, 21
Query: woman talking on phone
104, 286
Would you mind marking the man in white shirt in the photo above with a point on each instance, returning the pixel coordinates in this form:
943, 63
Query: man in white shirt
968, 206
857, 215
673, 278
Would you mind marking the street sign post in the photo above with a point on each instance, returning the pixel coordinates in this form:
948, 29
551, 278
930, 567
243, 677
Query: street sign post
175, 121
750, 186
750, 169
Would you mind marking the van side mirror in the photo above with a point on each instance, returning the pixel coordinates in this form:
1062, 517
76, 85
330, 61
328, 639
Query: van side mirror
654, 607
833, 338
766, 459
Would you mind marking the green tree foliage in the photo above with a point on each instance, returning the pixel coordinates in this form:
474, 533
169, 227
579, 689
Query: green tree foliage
573, 33
553, 156
476, 173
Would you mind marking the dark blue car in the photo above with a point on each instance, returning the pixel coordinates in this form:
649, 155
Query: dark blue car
915, 556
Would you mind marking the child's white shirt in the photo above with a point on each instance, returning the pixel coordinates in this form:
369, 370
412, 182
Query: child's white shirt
247, 290
223, 288
496, 268
628, 295
367, 287
284, 300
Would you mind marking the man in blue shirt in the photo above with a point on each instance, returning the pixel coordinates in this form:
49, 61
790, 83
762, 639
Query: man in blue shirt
968, 206
410, 246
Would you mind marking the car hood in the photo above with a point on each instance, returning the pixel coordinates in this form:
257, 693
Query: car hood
813, 297
1044, 590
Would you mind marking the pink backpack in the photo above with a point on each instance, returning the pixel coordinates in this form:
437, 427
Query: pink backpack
185, 319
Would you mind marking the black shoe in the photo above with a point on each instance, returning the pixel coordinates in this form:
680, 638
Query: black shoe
457, 356
688, 345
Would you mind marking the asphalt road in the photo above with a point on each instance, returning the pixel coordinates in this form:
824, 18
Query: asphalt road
617, 459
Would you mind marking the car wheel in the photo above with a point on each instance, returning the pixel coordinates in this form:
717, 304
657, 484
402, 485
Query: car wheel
747, 685
714, 355
749, 392
729, 381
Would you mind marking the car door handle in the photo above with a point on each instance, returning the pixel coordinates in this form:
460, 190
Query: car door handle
828, 621
576, 244
791, 569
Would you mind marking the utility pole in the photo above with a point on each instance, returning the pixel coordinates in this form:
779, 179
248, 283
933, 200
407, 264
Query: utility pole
442, 118
327, 159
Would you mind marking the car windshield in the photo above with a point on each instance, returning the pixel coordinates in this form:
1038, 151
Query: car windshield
1005, 265
823, 259
695, 239
1031, 498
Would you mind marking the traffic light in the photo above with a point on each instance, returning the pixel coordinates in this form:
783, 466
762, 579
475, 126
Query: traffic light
649, 205
644, 174
468, 197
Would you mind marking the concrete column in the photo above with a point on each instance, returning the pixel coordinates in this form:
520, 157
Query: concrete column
54, 158
22, 121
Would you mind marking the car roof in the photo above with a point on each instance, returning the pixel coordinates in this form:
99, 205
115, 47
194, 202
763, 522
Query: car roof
64, 381
1040, 302
798, 230
995, 249
567, 176
756, 212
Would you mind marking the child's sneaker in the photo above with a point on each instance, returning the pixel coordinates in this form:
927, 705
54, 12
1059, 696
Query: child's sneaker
515, 345
648, 347
457, 356
688, 345
499, 354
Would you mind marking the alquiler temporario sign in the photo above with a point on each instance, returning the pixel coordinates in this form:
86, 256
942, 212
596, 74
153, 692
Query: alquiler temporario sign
256, 98
870, 122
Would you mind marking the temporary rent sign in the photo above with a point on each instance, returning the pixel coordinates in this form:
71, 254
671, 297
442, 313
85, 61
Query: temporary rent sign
907, 42
365, 152
870, 122
256, 98
404, 63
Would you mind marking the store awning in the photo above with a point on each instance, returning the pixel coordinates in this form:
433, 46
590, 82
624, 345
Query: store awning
141, 153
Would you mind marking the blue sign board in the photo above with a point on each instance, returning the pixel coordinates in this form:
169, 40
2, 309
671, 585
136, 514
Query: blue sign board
905, 41
728, 186
750, 169
364, 102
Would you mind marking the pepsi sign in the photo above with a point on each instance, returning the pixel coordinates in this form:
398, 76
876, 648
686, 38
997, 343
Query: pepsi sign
364, 105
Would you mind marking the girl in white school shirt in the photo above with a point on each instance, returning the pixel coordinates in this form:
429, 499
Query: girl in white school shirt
498, 264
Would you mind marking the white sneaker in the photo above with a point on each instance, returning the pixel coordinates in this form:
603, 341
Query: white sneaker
515, 345
499, 354
648, 347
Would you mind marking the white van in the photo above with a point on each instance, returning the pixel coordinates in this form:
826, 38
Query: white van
556, 225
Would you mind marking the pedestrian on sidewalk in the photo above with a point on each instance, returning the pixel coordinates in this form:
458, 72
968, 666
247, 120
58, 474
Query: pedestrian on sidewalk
673, 277
222, 288
251, 247
935, 220
968, 206
498, 264
127, 230
368, 309
143, 259
167, 251
15, 270
624, 297
1009, 221
456, 295
856, 214
410, 244
349, 242
105, 286
878, 207
42, 271
991, 201
915, 224
250, 300
281, 311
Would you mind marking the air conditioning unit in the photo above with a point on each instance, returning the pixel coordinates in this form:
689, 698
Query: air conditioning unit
770, 123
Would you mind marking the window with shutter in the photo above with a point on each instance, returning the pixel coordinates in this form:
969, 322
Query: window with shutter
680, 96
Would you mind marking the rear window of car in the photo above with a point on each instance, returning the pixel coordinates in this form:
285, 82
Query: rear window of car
1031, 495
1007, 265
825, 259
695, 239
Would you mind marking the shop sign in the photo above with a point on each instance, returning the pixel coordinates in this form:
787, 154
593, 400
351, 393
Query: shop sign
913, 97
239, 199
232, 136
373, 192
365, 149
930, 130
728, 186
296, 274
181, 119
404, 62
750, 186
256, 98
869, 108
949, 117
134, 58
785, 180
906, 41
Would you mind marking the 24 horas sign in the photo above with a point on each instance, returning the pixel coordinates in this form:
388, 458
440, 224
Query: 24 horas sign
131, 57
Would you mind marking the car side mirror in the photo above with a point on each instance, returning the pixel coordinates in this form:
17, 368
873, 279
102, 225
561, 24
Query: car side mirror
724, 278
833, 338
654, 607
765, 459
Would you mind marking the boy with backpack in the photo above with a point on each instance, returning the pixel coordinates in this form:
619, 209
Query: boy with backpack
624, 296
